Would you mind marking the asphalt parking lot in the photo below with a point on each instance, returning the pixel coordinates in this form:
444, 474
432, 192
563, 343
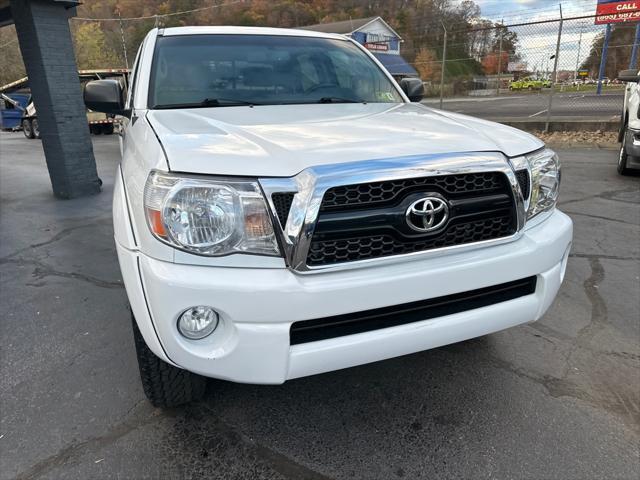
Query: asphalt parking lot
556, 399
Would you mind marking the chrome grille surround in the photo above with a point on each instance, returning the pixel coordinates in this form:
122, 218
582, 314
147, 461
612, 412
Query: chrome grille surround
311, 184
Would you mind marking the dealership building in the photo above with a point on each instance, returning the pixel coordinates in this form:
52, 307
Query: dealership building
377, 36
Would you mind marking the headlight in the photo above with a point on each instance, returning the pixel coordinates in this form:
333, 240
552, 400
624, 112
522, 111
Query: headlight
209, 217
545, 181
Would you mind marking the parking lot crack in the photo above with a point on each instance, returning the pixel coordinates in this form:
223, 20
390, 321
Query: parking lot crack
601, 256
75, 450
606, 195
599, 217
42, 270
598, 306
279, 462
598, 313
555, 386
558, 386
58, 236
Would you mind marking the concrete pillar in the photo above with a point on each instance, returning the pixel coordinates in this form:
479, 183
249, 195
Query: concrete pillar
47, 50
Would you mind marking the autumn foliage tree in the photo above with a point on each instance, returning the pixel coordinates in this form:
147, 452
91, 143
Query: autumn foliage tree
619, 54
91, 47
103, 44
428, 66
493, 63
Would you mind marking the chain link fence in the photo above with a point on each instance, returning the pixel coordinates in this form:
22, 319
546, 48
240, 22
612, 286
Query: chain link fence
539, 71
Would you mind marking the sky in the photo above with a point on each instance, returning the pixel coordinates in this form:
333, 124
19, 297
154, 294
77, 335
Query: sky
538, 42
517, 10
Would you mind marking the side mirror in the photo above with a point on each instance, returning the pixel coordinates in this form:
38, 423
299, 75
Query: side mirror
106, 96
413, 88
629, 76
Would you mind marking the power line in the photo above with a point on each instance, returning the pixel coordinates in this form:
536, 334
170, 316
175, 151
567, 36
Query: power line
542, 10
149, 17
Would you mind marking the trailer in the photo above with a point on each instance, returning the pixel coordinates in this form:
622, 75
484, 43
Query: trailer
27, 119
12, 107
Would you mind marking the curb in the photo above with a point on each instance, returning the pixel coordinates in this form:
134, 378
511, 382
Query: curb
564, 125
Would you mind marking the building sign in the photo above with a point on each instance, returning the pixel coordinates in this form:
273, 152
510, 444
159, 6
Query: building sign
516, 67
378, 47
615, 11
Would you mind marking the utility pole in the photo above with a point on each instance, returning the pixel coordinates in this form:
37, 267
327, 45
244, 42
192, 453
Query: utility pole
603, 59
444, 59
500, 55
633, 62
555, 72
546, 66
124, 44
575, 74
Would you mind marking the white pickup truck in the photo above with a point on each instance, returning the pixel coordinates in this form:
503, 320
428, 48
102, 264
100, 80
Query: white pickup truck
284, 208
629, 134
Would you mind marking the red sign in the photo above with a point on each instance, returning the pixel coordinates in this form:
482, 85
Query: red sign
380, 47
612, 11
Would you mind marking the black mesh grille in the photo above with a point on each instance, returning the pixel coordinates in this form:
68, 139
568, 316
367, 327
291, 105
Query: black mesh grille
366, 194
282, 203
523, 180
361, 248
360, 222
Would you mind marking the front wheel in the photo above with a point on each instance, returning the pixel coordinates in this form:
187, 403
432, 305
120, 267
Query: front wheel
623, 157
35, 127
164, 385
26, 128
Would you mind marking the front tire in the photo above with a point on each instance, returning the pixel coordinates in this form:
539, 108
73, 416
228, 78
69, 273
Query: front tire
623, 127
623, 158
27, 128
35, 127
164, 385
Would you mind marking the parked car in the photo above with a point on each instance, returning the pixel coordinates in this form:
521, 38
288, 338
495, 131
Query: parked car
629, 133
529, 84
284, 208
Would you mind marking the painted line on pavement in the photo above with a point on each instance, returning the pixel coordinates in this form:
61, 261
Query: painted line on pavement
538, 113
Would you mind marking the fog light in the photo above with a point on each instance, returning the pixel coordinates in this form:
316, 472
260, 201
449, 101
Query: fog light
198, 322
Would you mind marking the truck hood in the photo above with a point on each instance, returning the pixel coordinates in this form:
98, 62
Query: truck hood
282, 140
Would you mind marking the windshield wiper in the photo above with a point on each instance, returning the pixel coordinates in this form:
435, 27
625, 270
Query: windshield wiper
223, 102
208, 102
340, 100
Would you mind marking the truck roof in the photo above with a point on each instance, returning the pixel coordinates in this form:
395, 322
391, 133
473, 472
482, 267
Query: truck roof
229, 30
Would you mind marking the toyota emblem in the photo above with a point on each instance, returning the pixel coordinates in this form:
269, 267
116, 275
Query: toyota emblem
427, 214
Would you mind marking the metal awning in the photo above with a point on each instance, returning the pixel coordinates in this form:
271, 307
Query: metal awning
395, 64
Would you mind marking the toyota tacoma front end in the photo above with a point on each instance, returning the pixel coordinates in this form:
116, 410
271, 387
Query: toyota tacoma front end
283, 209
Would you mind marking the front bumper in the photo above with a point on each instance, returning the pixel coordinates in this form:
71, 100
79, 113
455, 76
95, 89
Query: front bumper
257, 306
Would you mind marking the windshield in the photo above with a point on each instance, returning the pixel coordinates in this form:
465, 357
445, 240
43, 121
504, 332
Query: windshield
226, 70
